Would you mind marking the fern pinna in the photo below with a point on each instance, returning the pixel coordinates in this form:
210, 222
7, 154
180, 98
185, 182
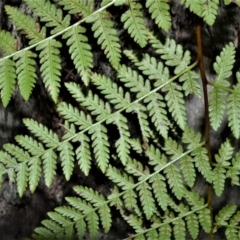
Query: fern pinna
152, 170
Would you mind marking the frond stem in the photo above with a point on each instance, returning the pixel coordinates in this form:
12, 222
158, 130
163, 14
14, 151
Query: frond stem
156, 226
61, 32
207, 121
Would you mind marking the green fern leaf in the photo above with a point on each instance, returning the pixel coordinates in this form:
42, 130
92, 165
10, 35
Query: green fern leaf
233, 112
41, 233
190, 83
130, 202
42, 133
194, 6
134, 222
22, 177
217, 104
67, 159
93, 221
81, 228
80, 51
7, 80
134, 22
202, 163
75, 116
31, 145
123, 143
224, 64
7, 160
49, 166
165, 232
225, 214
111, 91
83, 154
192, 225
134, 81
34, 174
17, 152
7, 43
160, 190
225, 154
50, 14
234, 172
179, 229
98, 201
83, 7
26, 72
209, 11
172, 53
100, 145
103, 28
69, 212
153, 234
205, 220
27, 24
159, 10
146, 199
219, 176
50, 66
188, 170
122, 180
92, 102
232, 233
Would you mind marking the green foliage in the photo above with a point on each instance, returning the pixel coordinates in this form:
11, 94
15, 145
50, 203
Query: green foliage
153, 157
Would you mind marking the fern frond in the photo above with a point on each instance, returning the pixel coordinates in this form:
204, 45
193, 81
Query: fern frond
191, 84
34, 174
73, 115
209, 11
26, 72
165, 232
103, 28
159, 187
175, 103
233, 112
219, 176
134, 22
100, 145
30, 144
225, 154
50, 66
234, 171
111, 91
224, 64
50, 14
99, 202
83, 154
83, 7
22, 176
27, 24
122, 179
159, 10
192, 225
49, 166
7, 80
225, 214
92, 102
205, 220
7, 43
179, 229
135, 82
123, 143
219, 173
80, 51
48, 137
172, 53
67, 159
195, 6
